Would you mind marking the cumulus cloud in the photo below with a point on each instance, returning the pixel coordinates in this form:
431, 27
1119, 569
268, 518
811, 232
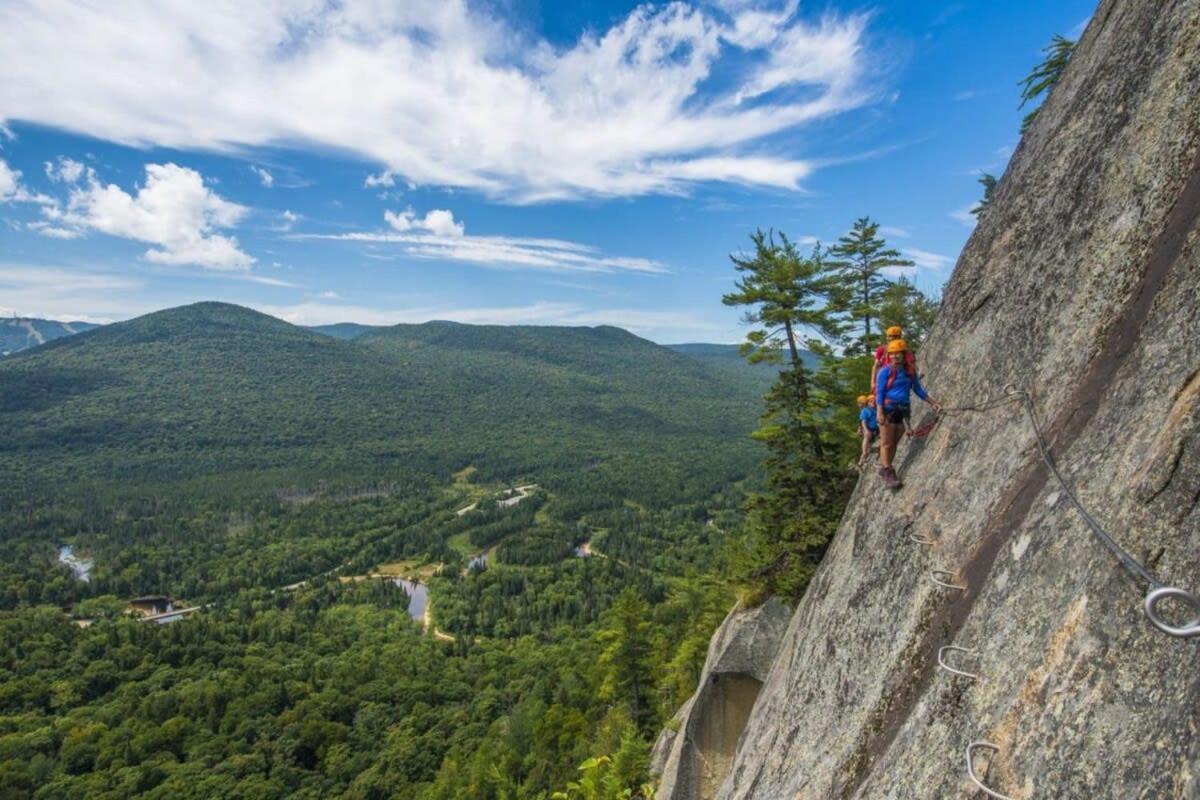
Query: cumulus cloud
439, 92
264, 177
173, 210
439, 222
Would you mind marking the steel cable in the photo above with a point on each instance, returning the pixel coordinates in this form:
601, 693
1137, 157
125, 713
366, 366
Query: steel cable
1158, 590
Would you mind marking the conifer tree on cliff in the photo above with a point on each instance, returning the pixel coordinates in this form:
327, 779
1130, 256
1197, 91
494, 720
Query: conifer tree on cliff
1045, 76
861, 258
788, 526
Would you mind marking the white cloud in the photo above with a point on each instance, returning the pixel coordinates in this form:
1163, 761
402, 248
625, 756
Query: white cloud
69, 294
65, 170
54, 231
927, 260
964, 215
173, 210
491, 251
754, 27
439, 222
262, 280
899, 233
12, 190
385, 179
264, 177
287, 219
439, 92
10, 181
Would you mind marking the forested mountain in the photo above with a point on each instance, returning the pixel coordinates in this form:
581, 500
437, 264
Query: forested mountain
22, 333
218, 389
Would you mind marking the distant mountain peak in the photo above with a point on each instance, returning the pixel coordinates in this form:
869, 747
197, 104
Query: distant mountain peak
22, 333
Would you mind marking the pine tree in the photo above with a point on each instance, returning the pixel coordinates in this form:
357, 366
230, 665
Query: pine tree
989, 189
862, 257
905, 305
787, 294
625, 639
1045, 75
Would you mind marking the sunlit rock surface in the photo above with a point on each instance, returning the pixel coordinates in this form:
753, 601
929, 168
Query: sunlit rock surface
1081, 284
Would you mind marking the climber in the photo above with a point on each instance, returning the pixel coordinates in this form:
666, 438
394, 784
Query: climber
868, 426
893, 385
881, 355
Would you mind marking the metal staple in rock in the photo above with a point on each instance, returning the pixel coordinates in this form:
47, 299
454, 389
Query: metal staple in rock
971, 748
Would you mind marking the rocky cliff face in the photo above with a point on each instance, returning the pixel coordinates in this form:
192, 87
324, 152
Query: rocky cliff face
692, 755
1082, 285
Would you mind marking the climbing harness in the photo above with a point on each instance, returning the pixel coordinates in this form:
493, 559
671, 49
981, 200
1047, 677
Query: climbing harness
942, 661
971, 748
1158, 591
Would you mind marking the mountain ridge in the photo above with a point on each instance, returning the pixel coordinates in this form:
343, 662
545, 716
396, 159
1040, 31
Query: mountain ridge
23, 333
177, 392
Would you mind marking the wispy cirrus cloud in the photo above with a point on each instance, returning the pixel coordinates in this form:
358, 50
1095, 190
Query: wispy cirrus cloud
264, 176
927, 260
438, 236
442, 92
965, 216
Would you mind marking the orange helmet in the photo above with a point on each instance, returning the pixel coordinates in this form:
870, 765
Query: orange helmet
895, 332
897, 346
862, 399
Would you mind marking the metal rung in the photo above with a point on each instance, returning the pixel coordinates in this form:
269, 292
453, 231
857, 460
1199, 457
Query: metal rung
937, 575
971, 748
942, 663
921, 539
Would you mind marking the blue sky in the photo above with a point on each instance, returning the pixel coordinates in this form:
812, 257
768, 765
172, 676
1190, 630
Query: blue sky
516, 162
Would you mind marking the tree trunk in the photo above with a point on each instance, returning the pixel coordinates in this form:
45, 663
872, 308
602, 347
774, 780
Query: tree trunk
866, 298
787, 324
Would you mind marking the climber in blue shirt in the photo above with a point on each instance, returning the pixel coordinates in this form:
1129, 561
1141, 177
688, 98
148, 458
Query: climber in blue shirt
868, 426
893, 385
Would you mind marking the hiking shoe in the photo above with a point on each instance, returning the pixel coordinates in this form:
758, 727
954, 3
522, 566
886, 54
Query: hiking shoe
891, 479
